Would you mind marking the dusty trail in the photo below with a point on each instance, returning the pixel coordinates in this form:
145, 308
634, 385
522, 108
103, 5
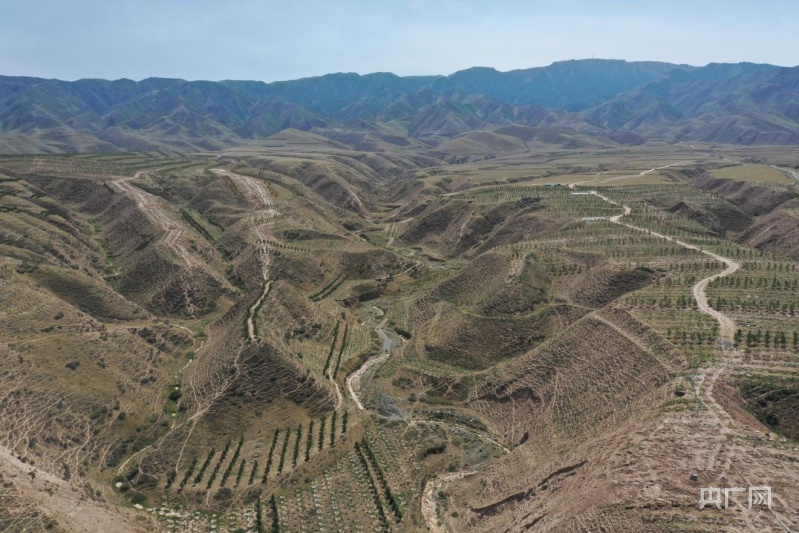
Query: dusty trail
727, 326
626, 176
149, 206
791, 172
572, 185
594, 181
339, 396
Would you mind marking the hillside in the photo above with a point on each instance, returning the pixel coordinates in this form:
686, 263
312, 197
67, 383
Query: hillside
345, 332
734, 104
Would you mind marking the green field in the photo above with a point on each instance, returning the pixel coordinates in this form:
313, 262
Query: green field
754, 174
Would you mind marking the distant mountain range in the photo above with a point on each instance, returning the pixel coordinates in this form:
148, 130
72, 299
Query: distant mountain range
613, 100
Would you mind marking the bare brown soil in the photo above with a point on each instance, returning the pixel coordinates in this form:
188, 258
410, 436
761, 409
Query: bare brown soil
341, 340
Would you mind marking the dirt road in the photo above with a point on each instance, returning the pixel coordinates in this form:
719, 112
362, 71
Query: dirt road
597, 181
727, 326
791, 172
354, 381
723, 431
725, 451
147, 203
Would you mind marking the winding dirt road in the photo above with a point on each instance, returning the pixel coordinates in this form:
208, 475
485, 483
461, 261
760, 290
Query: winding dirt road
726, 325
719, 418
147, 203
596, 180
721, 434
354, 381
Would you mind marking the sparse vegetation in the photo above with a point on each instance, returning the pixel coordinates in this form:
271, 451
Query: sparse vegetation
405, 332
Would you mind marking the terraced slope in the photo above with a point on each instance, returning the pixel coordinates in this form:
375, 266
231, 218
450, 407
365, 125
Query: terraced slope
300, 338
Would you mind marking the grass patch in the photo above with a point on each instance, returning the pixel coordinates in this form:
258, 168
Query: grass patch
753, 174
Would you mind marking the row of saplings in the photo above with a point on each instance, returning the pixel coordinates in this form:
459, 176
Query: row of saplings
777, 339
312, 440
753, 339
369, 461
367, 458
259, 516
683, 337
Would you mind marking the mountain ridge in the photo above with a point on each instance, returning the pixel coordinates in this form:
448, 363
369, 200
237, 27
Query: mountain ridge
737, 103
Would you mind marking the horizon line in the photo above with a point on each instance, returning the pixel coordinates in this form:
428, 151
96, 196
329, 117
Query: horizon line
600, 59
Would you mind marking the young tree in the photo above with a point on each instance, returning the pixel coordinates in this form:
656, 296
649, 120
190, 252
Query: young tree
297, 441
322, 434
309, 442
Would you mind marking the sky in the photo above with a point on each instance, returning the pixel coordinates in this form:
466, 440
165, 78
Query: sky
279, 40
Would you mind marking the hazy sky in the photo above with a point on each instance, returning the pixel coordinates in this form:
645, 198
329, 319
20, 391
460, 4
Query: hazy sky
276, 40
